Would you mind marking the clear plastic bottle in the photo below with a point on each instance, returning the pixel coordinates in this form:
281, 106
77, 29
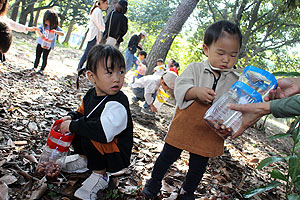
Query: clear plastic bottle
252, 86
225, 121
49, 35
54, 152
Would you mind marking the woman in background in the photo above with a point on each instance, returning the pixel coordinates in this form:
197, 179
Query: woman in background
116, 25
96, 27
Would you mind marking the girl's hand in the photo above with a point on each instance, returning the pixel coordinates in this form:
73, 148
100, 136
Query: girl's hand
66, 118
64, 126
153, 108
205, 94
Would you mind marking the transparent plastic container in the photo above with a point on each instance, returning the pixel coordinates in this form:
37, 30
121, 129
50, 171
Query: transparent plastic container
161, 98
253, 85
224, 120
49, 35
54, 152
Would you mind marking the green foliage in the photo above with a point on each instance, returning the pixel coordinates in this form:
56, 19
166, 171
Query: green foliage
112, 194
268, 33
151, 14
291, 178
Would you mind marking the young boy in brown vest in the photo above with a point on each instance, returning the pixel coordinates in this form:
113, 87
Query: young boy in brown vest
196, 89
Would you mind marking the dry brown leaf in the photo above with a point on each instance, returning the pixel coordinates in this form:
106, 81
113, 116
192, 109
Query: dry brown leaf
8, 179
39, 190
255, 160
225, 172
20, 142
31, 158
3, 191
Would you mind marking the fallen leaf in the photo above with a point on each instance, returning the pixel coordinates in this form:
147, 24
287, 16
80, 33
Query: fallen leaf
3, 191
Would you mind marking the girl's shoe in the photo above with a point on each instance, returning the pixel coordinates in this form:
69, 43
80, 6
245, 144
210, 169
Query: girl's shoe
151, 189
91, 186
183, 195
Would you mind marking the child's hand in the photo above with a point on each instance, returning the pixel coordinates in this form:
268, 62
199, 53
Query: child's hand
64, 126
66, 118
205, 95
153, 108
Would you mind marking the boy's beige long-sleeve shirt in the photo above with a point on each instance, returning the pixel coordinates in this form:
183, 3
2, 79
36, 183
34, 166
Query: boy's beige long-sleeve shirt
188, 130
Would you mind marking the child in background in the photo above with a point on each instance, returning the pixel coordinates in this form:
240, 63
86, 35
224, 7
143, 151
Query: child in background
160, 68
146, 87
142, 66
175, 68
170, 63
12, 25
6, 37
102, 124
50, 22
195, 90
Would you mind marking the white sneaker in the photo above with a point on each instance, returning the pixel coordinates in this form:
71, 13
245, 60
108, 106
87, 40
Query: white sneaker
91, 186
75, 164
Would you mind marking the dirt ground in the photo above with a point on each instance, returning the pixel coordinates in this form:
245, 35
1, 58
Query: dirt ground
30, 103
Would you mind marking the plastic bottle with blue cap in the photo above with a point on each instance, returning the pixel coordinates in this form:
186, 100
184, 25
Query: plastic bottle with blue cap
252, 86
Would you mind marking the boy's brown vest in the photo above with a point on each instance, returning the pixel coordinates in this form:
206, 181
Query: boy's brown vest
190, 132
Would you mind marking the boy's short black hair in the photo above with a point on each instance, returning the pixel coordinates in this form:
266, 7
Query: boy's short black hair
215, 31
176, 64
6, 37
101, 53
143, 53
160, 60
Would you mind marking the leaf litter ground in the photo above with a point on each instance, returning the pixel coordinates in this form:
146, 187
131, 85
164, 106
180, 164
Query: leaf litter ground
30, 103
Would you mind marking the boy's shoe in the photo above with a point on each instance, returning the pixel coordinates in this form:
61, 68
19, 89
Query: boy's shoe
151, 189
75, 164
134, 99
90, 187
147, 111
183, 195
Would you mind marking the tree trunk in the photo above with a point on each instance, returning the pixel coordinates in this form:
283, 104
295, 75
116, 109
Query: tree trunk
36, 18
15, 10
70, 29
169, 32
83, 39
30, 24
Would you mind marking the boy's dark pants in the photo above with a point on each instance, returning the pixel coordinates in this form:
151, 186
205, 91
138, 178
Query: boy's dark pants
169, 154
139, 93
39, 52
84, 146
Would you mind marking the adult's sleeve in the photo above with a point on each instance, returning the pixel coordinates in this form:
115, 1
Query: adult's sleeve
112, 122
97, 19
123, 30
16, 26
287, 107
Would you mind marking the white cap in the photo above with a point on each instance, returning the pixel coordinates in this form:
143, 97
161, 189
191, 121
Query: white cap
143, 33
169, 77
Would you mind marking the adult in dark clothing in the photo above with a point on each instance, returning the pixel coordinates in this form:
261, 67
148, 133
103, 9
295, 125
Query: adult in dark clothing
116, 25
133, 45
